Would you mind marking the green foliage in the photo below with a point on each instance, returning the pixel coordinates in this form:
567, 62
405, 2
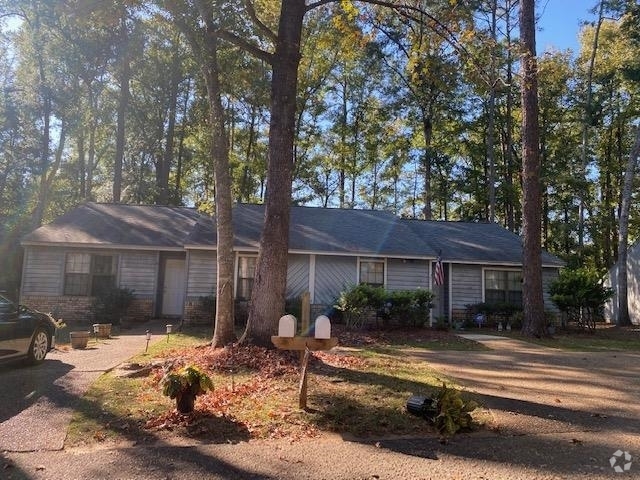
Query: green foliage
357, 301
188, 380
580, 294
111, 304
453, 412
401, 307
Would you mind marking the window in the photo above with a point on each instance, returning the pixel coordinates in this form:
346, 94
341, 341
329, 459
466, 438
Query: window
246, 274
87, 274
372, 272
503, 286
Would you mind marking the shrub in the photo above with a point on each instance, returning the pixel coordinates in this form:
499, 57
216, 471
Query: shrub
356, 302
580, 294
111, 304
401, 307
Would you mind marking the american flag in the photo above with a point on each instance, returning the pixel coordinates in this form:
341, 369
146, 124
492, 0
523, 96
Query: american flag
438, 272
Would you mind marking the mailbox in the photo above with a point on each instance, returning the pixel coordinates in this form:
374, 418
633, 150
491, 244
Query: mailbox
287, 326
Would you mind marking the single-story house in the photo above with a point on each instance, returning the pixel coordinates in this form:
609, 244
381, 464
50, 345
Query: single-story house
633, 287
167, 255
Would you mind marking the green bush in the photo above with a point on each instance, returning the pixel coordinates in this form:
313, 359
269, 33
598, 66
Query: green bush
111, 304
401, 307
581, 295
356, 302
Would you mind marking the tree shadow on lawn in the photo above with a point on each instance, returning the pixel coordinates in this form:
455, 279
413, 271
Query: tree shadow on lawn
529, 447
171, 457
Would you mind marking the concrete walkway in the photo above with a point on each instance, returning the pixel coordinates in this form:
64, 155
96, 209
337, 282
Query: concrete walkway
37, 403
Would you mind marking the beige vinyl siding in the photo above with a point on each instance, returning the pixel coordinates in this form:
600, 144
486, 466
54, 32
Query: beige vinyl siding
407, 274
43, 271
139, 272
297, 275
466, 285
202, 274
333, 274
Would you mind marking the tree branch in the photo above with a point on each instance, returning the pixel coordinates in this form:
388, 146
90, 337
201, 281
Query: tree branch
258, 23
246, 46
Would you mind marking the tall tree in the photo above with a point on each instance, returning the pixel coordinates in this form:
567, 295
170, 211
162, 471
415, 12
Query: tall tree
201, 31
268, 294
532, 297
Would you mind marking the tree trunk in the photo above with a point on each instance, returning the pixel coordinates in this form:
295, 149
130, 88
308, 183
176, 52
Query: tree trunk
267, 298
532, 297
168, 154
427, 131
623, 234
123, 103
223, 333
491, 120
587, 120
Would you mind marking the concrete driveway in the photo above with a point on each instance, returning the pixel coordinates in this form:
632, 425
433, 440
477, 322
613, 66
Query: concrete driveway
36, 403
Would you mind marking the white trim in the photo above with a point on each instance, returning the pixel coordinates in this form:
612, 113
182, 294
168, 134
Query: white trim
382, 260
103, 246
484, 269
312, 278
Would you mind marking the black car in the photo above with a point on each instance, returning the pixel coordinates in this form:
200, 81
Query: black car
25, 333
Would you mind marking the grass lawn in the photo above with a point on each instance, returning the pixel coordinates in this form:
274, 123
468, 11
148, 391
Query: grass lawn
604, 338
360, 388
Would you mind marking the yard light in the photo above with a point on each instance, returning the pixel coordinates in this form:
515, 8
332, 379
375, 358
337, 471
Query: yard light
96, 328
148, 338
169, 329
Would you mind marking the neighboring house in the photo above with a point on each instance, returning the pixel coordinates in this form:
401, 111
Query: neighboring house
633, 287
167, 256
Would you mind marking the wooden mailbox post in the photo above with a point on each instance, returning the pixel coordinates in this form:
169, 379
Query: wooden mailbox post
302, 343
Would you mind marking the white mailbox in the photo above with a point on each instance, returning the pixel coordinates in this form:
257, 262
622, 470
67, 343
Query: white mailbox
287, 326
323, 327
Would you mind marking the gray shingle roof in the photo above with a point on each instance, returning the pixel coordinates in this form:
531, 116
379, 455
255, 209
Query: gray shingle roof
99, 224
474, 242
337, 231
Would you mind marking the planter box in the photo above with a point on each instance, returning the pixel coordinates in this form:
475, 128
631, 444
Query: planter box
79, 340
102, 330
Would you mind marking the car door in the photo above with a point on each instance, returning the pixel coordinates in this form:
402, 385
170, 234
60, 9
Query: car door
8, 325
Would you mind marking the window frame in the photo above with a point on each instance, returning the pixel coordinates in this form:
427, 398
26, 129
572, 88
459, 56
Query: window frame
239, 279
373, 260
82, 275
507, 282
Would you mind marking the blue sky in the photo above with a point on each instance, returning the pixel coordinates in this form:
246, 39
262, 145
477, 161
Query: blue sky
560, 21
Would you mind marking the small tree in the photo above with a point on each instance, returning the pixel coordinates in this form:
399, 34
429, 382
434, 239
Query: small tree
580, 294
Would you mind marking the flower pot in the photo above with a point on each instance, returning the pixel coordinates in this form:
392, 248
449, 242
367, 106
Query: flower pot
79, 340
102, 330
185, 403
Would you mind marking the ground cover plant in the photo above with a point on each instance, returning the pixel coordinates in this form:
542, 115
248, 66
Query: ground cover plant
360, 389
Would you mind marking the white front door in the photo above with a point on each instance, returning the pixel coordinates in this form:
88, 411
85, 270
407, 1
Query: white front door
173, 289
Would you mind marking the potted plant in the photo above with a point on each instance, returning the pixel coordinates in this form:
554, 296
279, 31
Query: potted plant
185, 385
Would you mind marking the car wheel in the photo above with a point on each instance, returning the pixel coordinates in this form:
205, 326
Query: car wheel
39, 346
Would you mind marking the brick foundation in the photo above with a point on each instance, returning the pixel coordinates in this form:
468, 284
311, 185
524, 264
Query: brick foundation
77, 310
